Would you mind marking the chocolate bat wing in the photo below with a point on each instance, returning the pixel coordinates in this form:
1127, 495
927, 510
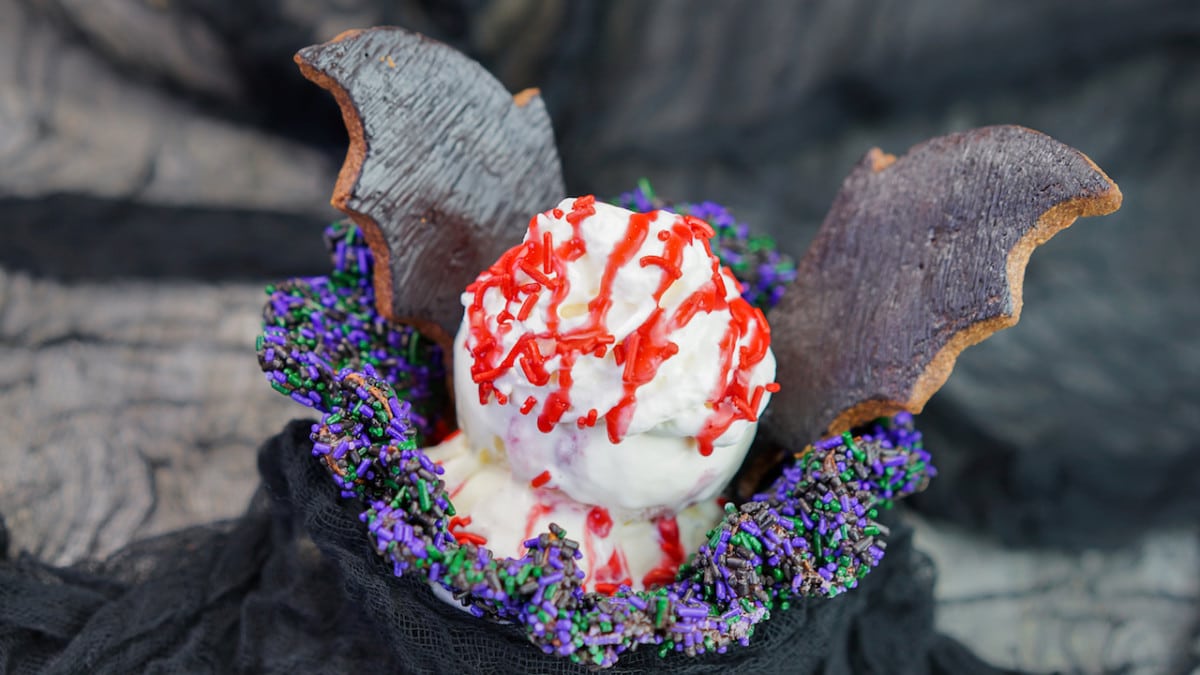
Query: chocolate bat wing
919, 258
444, 169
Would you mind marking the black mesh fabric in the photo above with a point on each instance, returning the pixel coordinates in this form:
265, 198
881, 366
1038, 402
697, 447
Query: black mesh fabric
293, 586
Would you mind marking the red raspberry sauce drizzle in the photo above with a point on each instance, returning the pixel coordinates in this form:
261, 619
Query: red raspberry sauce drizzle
542, 268
673, 554
614, 573
599, 522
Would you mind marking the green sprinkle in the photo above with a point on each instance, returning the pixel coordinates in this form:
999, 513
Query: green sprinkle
714, 537
739, 539
423, 494
644, 186
412, 347
755, 544
524, 574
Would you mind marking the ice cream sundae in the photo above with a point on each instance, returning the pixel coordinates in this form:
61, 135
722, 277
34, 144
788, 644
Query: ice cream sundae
608, 378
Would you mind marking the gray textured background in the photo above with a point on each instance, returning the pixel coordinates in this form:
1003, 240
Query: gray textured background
160, 160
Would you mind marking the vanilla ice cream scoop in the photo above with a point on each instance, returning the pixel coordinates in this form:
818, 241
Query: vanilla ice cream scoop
611, 358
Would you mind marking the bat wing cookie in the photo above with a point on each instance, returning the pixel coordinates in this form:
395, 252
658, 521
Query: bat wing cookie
919, 258
445, 166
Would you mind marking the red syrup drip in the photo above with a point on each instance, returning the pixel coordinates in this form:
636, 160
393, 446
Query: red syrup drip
462, 536
673, 554
668, 534
599, 526
599, 522
614, 573
641, 353
531, 519
470, 538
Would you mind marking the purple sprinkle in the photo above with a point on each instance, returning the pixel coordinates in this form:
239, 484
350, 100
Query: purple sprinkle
692, 612
828, 443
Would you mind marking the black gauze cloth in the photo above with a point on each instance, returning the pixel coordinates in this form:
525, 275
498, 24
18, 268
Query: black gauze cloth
293, 586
